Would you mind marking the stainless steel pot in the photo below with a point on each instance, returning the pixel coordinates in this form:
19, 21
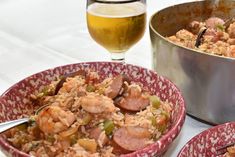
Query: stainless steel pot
207, 81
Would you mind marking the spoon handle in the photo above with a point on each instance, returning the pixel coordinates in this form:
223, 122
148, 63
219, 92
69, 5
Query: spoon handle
10, 124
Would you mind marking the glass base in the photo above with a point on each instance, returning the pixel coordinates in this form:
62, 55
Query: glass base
118, 57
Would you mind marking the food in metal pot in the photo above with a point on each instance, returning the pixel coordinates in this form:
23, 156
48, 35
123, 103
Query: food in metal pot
213, 36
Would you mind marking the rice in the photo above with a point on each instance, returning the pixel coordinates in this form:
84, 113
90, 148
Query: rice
81, 119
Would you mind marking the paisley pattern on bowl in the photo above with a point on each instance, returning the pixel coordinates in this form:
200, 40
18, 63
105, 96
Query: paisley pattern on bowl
206, 143
14, 103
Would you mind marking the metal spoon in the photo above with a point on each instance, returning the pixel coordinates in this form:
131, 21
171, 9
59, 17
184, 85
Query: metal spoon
10, 124
13, 123
201, 32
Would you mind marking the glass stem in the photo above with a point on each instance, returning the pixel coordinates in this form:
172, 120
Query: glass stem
118, 57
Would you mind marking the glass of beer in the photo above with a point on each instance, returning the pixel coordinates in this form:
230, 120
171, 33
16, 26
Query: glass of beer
116, 24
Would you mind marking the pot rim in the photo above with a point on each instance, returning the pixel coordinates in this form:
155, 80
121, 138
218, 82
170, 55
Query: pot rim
179, 46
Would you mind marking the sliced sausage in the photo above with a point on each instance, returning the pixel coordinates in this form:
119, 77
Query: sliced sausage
117, 150
132, 138
113, 90
134, 104
214, 22
134, 101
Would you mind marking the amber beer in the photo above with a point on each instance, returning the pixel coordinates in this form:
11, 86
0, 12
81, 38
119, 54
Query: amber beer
116, 27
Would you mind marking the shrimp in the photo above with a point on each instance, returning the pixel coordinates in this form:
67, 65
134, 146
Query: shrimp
94, 103
53, 119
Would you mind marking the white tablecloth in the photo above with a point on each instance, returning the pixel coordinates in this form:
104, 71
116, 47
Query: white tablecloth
41, 34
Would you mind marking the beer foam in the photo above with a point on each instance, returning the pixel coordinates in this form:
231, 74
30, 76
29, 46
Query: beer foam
117, 10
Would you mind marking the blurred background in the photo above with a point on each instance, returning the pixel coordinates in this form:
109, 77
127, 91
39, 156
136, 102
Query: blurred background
56, 32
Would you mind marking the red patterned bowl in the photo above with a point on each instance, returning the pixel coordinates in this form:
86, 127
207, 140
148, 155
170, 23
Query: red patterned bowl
206, 143
14, 103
